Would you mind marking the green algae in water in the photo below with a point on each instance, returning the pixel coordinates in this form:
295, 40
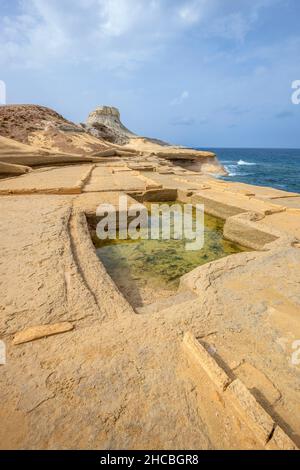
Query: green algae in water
159, 264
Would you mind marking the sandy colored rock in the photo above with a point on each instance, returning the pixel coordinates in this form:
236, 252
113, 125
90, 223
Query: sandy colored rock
257, 382
105, 122
250, 410
41, 331
203, 359
18, 121
123, 378
44, 129
63, 180
121, 179
13, 152
11, 169
189, 159
117, 354
10, 148
280, 441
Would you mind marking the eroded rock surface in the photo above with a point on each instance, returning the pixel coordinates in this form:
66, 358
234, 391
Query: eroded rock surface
119, 379
44, 129
123, 373
105, 122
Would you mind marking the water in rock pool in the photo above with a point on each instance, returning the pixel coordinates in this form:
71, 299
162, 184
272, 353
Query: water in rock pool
148, 270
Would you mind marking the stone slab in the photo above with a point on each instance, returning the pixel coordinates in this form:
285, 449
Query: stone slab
203, 359
64, 180
41, 331
257, 419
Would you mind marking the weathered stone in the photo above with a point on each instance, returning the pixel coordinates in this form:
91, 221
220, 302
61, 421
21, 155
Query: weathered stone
203, 359
41, 331
280, 441
253, 414
104, 122
12, 169
119, 377
65, 180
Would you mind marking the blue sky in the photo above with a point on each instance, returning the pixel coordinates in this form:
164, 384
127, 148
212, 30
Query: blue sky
207, 73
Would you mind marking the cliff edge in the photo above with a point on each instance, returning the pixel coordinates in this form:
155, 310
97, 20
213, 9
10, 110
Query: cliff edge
44, 130
105, 123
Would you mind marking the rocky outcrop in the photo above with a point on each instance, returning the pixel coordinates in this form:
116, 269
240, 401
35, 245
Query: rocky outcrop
45, 129
113, 364
105, 123
20, 121
17, 158
189, 159
47, 132
220, 354
11, 169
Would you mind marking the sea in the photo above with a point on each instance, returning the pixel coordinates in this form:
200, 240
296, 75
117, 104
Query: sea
278, 168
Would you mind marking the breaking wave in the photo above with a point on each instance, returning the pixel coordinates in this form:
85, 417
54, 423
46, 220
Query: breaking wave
242, 162
231, 170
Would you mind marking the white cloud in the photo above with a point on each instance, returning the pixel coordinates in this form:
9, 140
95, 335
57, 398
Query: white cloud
180, 99
37, 34
193, 11
72, 30
115, 33
118, 17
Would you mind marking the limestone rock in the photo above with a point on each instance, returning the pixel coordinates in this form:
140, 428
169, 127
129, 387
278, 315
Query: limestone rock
41, 331
43, 129
104, 122
11, 169
281, 441
203, 359
250, 410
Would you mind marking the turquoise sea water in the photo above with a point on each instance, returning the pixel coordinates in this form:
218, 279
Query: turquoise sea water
279, 168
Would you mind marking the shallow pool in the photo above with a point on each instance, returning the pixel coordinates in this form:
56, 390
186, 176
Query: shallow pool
146, 270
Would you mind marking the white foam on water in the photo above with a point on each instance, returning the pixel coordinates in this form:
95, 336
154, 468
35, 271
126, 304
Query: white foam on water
231, 170
242, 162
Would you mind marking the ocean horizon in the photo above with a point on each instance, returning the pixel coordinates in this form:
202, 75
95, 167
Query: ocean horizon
275, 167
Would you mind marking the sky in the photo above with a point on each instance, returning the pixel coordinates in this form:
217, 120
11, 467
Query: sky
202, 73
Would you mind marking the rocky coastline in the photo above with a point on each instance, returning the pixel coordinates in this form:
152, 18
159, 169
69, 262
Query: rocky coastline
211, 367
